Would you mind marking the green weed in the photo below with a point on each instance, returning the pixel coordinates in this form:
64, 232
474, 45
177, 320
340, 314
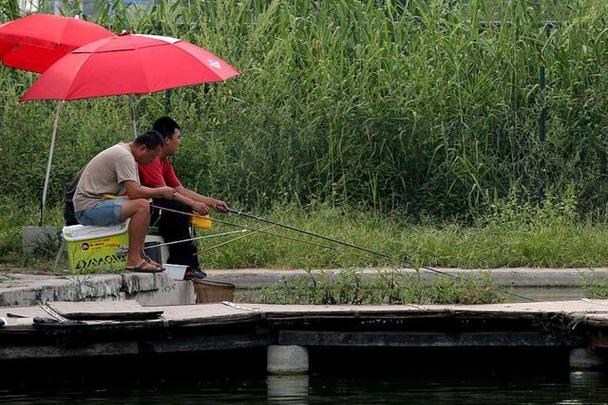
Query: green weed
595, 287
351, 287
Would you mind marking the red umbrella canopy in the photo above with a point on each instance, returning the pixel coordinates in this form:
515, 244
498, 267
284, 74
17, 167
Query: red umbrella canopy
128, 64
37, 41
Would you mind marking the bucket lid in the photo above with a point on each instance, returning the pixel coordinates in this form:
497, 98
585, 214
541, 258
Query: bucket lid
85, 232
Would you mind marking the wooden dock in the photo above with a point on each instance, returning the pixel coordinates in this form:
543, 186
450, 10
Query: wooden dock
121, 328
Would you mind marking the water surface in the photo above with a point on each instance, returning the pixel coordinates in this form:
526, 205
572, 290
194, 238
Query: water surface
427, 388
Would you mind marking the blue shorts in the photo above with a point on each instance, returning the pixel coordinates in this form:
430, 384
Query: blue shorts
105, 213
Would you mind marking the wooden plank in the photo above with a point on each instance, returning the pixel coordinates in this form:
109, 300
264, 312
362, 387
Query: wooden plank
563, 307
135, 347
22, 312
424, 339
20, 318
205, 313
100, 310
194, 328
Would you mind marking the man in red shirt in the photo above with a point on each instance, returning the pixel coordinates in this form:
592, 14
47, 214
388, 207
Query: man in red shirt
172, 226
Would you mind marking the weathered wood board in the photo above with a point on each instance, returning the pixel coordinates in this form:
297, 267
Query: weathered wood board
104, 310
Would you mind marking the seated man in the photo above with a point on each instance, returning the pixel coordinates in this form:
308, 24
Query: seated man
172, 226
111, 171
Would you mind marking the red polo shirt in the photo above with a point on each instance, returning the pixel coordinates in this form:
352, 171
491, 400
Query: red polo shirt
158, 173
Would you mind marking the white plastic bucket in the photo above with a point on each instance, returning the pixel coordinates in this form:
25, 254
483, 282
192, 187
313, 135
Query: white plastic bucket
175, 271
94, 248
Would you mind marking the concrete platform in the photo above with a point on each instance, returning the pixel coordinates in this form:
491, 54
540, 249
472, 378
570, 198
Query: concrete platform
566, 325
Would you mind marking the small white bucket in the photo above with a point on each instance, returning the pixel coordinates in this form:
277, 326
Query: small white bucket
175, 271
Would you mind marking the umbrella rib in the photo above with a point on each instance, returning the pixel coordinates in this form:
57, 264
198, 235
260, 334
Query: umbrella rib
71, 88
120, 50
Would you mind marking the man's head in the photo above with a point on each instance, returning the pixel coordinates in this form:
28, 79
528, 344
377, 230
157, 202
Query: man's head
171, 133
147, 146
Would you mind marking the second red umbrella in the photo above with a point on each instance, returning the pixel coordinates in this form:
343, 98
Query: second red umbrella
37, 41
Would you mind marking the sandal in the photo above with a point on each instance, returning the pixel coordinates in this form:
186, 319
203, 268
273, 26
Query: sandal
145, 267
148, 258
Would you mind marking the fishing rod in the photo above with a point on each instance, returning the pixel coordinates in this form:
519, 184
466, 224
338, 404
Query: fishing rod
360, 248
313, 234
304, 231
190, 214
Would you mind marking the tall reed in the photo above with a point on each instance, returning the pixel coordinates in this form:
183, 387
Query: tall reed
422, 106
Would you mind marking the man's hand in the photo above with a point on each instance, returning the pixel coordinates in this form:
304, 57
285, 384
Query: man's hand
165, 192
220, 206
200, 208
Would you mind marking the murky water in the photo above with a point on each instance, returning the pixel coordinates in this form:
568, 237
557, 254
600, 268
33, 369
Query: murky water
428, 388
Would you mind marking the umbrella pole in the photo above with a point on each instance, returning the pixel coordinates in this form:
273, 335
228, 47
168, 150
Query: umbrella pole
133, 102
50, 161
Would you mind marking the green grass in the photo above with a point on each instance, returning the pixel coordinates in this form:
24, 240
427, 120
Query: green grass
547, 235
544, 242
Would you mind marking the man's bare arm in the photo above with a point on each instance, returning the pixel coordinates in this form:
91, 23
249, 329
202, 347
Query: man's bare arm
218, 205
135, 191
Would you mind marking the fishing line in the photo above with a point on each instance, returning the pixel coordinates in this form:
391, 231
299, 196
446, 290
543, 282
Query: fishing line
363, 249
233, 240
340, 242
246, 227
215, 235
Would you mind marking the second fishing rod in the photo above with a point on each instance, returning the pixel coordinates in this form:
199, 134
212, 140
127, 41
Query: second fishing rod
369, 252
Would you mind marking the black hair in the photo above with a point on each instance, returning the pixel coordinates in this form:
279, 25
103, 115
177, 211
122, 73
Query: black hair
151, 139
166, 126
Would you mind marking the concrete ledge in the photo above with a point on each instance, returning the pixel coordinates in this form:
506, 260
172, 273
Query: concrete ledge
29, 289
157, 289
138, 282
506, 277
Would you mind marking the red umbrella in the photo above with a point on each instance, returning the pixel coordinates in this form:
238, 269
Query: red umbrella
126, 64
37, 41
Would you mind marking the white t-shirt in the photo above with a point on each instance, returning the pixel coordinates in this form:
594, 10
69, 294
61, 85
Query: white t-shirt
105, 174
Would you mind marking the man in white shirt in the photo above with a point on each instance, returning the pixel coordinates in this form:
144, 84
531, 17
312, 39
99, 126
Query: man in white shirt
115, 170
